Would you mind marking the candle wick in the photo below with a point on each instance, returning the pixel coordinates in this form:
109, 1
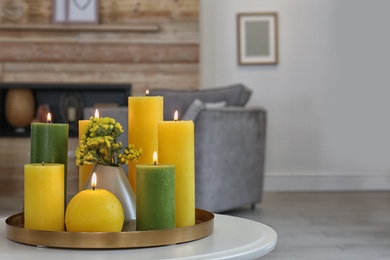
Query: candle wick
93, 188
155, 163
43, 163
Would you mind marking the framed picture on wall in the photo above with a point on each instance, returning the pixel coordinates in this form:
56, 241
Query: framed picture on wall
257, 38
75, 11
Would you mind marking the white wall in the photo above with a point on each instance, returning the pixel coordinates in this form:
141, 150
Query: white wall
328, 99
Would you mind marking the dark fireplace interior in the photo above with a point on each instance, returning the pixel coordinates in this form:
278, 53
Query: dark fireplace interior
65, 102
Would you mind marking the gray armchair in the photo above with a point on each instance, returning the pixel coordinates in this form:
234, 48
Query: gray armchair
229, 144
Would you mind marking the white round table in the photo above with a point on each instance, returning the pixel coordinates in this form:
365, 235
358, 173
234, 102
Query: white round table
233, 238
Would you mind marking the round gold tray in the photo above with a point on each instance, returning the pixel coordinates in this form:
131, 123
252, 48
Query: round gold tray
126, 239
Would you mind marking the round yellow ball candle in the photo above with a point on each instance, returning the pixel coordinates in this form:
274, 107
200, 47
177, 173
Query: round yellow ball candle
94, 210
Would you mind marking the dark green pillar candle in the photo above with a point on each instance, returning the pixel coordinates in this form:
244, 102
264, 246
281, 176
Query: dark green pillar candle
155, 197
49, 144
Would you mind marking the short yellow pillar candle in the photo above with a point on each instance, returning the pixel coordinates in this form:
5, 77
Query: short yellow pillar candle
94, 210
44, 202
176, 146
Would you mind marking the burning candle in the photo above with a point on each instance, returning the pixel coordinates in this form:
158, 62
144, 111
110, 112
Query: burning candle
144, 114
155, 196
44, 202
176, 146
94, 210
49, 144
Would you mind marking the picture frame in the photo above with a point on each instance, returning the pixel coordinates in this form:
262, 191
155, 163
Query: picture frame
75, 11
257, 38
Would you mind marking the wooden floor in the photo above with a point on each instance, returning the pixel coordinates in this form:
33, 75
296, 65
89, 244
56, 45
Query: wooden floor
325, 225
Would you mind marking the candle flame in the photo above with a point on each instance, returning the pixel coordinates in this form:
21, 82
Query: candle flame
93, 181
48, 117
176, 116
97, 113
147, 92
155, 158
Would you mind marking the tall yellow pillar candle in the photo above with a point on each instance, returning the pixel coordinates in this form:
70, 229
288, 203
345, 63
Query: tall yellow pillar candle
44, 203
144, 113
84, 170
176, 146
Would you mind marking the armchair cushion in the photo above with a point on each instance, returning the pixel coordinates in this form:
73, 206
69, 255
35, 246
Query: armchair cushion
197, 105
233, 95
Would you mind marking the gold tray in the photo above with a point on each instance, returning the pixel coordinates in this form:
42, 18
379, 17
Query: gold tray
126, 239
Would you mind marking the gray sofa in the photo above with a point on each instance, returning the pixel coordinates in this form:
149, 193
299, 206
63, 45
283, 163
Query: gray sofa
229, 142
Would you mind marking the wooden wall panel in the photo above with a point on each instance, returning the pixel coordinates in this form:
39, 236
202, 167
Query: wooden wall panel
97, 52
141, 76
151, 10
167, 58
172, 33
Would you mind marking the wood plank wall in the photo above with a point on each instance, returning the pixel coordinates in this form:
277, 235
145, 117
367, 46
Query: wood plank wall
167, 58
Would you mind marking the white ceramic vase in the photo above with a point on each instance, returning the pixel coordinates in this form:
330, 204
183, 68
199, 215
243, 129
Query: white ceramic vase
114, 179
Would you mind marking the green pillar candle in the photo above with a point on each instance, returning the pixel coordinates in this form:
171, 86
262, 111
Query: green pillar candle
155, 197
49, 144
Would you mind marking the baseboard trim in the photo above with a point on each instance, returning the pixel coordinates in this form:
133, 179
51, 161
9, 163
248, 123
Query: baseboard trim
325, 181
